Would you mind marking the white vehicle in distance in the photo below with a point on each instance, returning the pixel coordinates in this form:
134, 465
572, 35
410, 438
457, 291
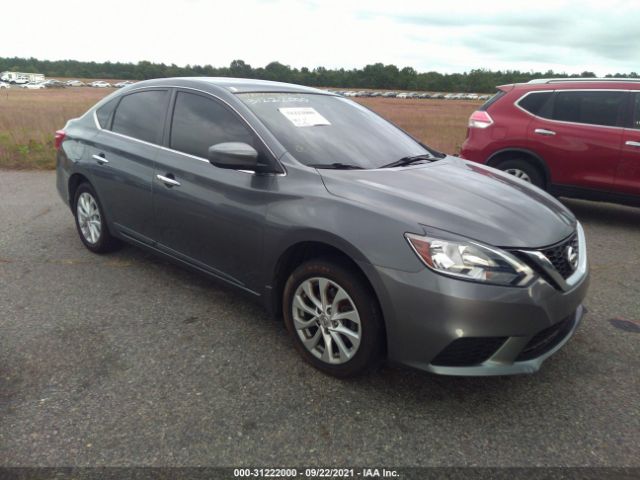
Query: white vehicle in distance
74, 83
123, 84
100, 84
4, 85
402, 95
33, 86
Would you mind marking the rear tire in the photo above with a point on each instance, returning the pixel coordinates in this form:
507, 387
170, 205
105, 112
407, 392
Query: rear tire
90, 221
523, 170
326, 303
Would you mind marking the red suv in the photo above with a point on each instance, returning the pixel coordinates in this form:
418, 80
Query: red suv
572, 137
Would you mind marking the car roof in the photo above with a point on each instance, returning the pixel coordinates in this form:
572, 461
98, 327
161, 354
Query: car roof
576, 83
233, 85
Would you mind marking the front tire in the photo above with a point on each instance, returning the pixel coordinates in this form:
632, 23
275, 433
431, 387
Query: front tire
333, 317
90, 221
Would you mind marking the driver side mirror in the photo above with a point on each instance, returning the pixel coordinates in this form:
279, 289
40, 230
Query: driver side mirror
234, 156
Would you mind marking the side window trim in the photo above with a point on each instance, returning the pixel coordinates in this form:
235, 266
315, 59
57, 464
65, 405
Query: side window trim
553, 101
168, 119
172, 89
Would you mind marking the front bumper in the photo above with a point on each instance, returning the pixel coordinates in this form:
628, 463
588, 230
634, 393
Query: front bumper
510, 330
505, 360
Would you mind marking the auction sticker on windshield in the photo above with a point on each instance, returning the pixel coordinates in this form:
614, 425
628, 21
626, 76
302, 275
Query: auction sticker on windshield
304, 116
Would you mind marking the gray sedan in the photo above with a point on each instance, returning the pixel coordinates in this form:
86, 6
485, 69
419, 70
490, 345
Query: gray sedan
370, 244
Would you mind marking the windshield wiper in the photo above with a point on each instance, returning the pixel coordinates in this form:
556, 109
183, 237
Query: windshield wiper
409, 160
336, 166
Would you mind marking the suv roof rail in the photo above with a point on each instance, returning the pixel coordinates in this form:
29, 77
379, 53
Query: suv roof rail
583, 79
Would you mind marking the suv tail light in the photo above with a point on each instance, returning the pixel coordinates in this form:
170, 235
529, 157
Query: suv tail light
59, 138
480, 119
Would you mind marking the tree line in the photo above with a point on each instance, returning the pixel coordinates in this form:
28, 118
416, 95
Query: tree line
376, 75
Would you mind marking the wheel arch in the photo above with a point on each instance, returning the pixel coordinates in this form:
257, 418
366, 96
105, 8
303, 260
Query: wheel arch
524, 154
302, 250
75, 180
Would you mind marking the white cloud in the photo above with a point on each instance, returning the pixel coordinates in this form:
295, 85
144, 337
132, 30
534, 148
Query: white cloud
562, 35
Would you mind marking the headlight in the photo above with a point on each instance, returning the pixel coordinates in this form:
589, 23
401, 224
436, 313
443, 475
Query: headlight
470, 261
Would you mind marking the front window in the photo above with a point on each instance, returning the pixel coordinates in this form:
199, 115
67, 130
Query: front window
323, 130
200, 122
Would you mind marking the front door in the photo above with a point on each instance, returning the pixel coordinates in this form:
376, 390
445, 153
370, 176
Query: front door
209, 216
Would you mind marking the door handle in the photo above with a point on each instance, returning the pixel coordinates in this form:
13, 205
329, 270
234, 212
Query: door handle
169, 182
100, 158
631, 143
544, 131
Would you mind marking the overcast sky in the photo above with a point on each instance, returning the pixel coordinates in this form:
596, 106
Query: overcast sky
453, 36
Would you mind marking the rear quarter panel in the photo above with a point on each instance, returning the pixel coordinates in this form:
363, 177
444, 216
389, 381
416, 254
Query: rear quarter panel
509, 130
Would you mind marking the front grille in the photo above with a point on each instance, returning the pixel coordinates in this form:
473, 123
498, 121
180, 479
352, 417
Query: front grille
469, 351
546, 339
557, 255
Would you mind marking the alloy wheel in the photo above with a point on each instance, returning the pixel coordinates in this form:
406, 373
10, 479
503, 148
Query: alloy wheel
89, 218
521, 174
326, 320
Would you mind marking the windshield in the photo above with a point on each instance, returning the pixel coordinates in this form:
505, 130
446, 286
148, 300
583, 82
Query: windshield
330, 131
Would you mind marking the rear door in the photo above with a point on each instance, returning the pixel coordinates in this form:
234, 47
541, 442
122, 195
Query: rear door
628, 179
122, 159
580, 137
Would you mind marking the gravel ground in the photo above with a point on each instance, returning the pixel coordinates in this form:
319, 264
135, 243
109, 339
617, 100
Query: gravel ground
126, 359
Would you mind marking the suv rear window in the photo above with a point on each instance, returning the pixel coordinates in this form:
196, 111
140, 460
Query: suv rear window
498, 95
537, 103
590, 107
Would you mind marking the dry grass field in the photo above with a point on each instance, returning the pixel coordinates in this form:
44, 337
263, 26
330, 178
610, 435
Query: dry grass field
441, 124
29, 118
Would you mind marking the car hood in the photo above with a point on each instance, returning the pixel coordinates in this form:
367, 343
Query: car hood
461, 197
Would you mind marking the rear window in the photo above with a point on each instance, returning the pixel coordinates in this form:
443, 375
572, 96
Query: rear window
141, 115
537, 103
590, 107
105, 111
498, 95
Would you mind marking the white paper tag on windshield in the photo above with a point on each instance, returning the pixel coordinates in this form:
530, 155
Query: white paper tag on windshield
304, 116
